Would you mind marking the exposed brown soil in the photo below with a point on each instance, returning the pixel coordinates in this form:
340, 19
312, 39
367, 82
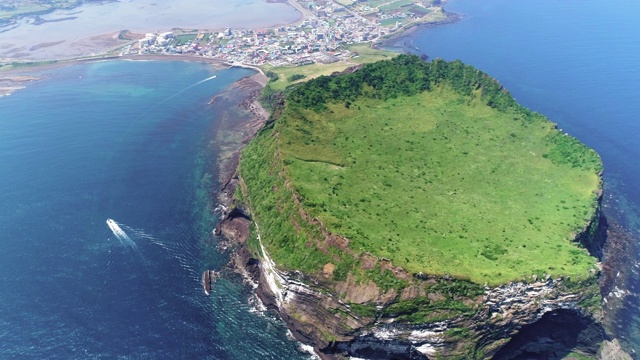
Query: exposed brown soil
368, 261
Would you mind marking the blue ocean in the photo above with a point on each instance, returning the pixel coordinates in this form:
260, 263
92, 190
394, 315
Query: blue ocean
577, 62
130, 142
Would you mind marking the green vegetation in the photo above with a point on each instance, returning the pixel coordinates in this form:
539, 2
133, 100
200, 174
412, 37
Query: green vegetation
422, 310
271, 75
431, 165
295, 77
591, 298
367, 54
286, 235
22, 64
390, 22
283, 73
577, 356
363, 310
415, 11
375, 3
184, 38
281, 76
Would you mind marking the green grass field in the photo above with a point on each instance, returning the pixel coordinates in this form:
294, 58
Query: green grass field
374, 3
366, 55
184, 38
309, 71
390, 22
437, 182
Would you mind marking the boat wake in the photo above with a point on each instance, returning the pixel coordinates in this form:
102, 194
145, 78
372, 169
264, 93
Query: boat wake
189, 87
201, 81
181, 252
120, 234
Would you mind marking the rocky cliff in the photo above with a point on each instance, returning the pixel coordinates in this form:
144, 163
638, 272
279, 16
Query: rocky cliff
540, 318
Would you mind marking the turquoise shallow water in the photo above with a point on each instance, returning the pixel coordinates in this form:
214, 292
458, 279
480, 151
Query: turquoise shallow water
577, 63
125, 141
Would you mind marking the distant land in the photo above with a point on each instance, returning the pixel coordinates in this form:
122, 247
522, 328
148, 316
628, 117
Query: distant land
13, 10
331, 36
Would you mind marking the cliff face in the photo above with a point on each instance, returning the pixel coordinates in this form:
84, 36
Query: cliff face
542, 318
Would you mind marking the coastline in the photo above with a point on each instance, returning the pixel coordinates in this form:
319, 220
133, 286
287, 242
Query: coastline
243, 116
12, 69
105, 52
18, 78
391, 42
234, 227
11, 83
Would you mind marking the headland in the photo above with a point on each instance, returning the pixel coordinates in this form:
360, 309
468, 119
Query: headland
368, 270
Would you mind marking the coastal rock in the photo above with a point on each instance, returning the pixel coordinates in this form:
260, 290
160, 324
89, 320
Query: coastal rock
235, 225
520, 319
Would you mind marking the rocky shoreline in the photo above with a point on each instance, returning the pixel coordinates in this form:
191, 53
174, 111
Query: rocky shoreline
395, 41
17, 78
11, 83
243, 116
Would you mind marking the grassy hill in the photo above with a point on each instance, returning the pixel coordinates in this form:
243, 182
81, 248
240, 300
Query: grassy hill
431, 165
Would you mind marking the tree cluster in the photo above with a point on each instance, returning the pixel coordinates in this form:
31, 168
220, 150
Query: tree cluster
404, 75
